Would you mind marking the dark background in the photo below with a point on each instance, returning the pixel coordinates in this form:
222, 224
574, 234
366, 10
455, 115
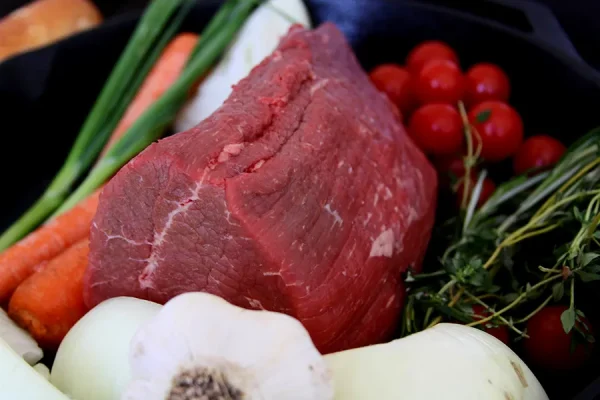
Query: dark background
579, 18
48, 84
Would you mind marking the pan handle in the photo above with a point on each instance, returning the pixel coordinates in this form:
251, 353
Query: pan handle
523, 16
591, 392
546, 26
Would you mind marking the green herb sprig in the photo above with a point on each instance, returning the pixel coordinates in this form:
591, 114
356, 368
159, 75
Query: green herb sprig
482, 246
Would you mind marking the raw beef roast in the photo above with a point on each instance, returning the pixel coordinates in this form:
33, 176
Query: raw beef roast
301, 194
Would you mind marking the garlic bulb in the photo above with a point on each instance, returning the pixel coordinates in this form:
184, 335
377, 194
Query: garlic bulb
19, 340
448, 361
201, 347
257, 38
92, 360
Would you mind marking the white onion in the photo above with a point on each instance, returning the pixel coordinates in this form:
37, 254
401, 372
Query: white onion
92, 360
448, 361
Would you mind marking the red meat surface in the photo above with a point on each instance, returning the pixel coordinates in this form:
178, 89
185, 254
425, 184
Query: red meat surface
302, 194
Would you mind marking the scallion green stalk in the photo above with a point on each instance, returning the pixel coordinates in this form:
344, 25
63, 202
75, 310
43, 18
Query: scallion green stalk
131, 91
215, 39
95, 132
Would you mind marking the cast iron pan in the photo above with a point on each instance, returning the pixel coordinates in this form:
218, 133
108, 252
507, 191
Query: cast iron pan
46, 94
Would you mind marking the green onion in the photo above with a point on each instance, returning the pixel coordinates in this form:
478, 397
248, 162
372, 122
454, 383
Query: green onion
215, 39
218, 20
95, 131
143, 71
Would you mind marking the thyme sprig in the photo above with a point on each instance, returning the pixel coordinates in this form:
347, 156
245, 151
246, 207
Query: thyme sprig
486, 260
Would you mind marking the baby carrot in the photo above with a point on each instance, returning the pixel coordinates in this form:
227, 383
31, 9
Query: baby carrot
50, 302
160, 78
22, 259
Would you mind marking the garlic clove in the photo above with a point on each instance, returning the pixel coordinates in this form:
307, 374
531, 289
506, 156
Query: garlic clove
200, 345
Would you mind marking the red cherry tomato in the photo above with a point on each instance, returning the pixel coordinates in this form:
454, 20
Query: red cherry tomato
537, 153
549, 346
396, 82
499, 332
487, 190
500, 129
454, 164
486, 82
439, 81
427, 51
437, 129
452, 167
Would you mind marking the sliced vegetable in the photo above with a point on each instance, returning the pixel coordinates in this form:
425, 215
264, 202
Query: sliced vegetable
50, 302
198, 342
448, 361
538, 153
19, 381
439, 81
498, 129
427, 51
486, 81
32, 252
437, 129
19, 340
92, 360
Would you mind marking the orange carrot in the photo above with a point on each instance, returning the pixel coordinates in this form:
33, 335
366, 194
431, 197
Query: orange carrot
31, 253
160, 78
52, 241
50, 302
22, 259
